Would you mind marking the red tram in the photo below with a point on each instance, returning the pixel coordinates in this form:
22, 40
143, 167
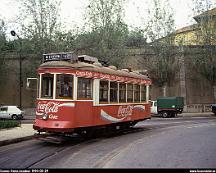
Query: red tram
77, 94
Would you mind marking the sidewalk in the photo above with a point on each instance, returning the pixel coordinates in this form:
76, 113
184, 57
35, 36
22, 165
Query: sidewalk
26, 131
16, 134
186, 114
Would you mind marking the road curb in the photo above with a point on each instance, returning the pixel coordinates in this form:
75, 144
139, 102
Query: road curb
15, 140
197, 115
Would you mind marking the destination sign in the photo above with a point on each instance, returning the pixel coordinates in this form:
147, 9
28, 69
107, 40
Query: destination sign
59, 57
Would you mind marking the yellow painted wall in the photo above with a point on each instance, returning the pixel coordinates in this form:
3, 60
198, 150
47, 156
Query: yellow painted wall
198, 35
186, 38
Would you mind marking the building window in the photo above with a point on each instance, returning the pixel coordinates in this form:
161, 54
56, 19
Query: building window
84, 89
143, 93
136, 93
64, 86
104, 87
113, 92
129, 92
122, 92
47, 86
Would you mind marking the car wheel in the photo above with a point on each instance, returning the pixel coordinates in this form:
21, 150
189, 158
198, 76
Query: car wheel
164, 114
14, 117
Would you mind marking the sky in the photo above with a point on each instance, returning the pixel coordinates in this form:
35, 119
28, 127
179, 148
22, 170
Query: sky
135, 11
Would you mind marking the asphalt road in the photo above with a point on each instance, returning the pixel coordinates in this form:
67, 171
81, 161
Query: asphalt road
183, 142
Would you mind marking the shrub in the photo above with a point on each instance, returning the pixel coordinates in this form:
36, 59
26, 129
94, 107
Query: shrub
9, 123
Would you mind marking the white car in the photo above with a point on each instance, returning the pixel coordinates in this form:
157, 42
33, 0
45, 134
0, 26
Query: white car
10, 112
154, 107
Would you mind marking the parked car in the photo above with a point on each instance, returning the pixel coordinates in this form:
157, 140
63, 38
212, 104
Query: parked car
11, 112
213, 107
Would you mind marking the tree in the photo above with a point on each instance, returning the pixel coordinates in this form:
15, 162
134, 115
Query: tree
3, 44
40, 21
2, 36
135, 38
205, 62
107, 29
164, 66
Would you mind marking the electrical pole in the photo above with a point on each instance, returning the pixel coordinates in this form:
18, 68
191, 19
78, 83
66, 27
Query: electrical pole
13, 33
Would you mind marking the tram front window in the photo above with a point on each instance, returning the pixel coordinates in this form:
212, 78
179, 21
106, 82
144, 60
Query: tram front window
64, 85
47, 86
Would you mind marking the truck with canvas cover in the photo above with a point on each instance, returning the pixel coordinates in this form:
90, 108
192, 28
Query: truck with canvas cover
170, 106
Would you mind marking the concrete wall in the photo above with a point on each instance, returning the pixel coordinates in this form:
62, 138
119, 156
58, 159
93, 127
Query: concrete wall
9, 80
196, 90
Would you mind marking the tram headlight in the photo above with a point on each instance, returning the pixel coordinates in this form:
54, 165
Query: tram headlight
45, 117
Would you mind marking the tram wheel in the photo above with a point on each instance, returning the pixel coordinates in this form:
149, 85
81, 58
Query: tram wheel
87, 134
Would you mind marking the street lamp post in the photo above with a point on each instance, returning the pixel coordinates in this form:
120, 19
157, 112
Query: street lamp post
13, 33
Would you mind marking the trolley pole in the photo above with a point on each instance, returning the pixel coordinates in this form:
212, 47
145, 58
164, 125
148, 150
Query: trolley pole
13, 33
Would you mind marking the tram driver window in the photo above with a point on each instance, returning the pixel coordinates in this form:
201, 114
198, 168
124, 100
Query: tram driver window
104, 86
84, 88
47, 86
64, 86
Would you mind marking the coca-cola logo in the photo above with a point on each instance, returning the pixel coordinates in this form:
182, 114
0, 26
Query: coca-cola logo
125, 111
50, 107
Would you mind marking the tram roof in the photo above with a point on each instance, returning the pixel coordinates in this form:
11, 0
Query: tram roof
95, 67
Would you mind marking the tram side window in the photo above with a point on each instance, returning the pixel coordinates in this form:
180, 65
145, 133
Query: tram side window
64, 86
84, 88
136, 93
113, 92
143, 93
129, 92
104, 86
122, 93
47, 86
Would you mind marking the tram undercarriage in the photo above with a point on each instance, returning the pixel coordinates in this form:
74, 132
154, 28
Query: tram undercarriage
86, 132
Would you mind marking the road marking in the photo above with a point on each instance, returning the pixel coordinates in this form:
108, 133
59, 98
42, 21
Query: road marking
202, 125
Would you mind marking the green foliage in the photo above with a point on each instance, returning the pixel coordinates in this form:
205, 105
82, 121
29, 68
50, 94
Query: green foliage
205, 62
3, 46
161, 23
107, 29
2, 36
135, 38
163, 70
65, 41
39, 21
9, 124
206, 21
164, 66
